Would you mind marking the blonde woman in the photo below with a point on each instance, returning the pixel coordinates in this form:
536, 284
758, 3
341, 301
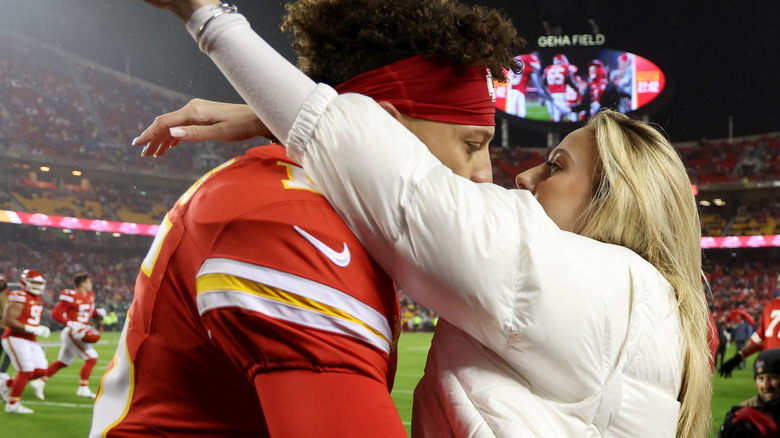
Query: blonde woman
570, 307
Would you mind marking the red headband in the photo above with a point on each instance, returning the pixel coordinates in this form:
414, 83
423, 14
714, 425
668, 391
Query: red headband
431, 89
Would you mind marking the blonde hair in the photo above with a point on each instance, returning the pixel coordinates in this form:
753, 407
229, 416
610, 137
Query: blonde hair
643, 200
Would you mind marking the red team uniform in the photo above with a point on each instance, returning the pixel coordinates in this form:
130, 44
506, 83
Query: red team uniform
75, 310
597, 82
557, 76
256, 309
74, 307
517, 85
31, 315
27, 355
767, 336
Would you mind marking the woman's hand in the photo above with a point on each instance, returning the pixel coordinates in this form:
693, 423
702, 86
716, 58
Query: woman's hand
182, 8
201, 120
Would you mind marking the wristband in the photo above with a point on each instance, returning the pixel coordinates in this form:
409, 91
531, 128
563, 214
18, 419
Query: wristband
224, 8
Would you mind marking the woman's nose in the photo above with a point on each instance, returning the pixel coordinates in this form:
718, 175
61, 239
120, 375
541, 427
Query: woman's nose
530, 178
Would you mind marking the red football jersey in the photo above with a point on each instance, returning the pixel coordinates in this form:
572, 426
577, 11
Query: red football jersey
556, 75
531, 64
597, 82
767, 336
252, 271
73, 306
31, 314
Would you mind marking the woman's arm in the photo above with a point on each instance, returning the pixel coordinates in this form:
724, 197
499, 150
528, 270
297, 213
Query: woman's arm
273, 88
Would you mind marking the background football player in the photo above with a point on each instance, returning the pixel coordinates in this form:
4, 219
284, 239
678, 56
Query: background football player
557, 76
622, 80
75, 310
517, 84
22, 326
597, 83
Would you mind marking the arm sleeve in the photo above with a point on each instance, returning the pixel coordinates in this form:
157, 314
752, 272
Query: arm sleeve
251, 65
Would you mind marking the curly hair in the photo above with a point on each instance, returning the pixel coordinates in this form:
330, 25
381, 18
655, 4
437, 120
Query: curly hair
337, 40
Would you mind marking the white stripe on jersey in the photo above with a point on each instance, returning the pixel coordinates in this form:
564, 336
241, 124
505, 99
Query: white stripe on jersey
351, 317
116, 391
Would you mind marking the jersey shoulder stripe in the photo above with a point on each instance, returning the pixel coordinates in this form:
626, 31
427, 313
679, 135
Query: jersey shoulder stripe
18, 296
68, 295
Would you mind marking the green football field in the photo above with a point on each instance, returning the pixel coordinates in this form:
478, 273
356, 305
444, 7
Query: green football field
63, 415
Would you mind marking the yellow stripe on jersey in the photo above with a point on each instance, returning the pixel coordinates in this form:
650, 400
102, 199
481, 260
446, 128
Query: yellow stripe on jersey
194, 188
154, 251
298, 179
313, 304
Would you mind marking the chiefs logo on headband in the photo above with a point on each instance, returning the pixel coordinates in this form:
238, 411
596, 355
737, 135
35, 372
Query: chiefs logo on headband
491, 89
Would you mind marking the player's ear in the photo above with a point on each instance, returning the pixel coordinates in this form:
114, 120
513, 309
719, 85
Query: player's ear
390, 108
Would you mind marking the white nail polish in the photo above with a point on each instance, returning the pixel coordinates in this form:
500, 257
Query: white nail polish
178, 132
143, 152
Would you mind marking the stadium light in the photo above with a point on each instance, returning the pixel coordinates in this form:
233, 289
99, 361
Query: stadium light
45, 168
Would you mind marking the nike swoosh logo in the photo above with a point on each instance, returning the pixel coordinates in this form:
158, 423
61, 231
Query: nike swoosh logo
340, 259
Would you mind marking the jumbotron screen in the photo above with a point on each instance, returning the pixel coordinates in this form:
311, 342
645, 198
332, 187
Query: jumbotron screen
569, 84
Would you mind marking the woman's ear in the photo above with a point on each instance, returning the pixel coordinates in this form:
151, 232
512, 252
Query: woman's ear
390, 108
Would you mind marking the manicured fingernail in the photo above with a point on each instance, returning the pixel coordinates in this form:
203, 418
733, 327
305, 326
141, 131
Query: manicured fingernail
178, 132
143, 152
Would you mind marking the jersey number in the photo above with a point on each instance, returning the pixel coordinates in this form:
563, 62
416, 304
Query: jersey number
770, 330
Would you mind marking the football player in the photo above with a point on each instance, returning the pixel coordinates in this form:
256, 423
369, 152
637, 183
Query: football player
621, 80
597, 83
557, 76
22, 327
766, 336
75, 310
517, 84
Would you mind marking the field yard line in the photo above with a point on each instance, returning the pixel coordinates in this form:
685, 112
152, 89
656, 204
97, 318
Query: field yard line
58, 343
64, 405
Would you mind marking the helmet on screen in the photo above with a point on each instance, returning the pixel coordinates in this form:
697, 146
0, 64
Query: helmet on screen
32, 281
560, 59
623, 58
597, 63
